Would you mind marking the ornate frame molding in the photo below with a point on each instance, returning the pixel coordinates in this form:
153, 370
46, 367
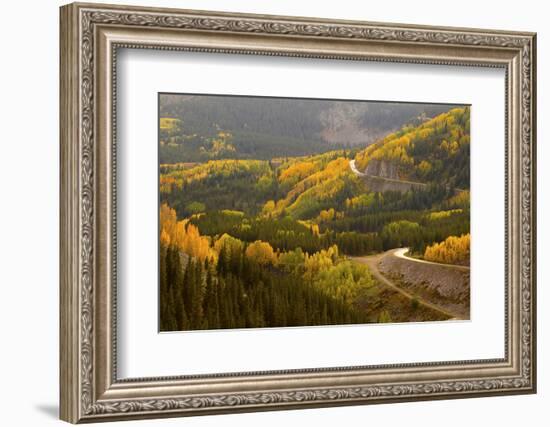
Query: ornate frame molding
90, 36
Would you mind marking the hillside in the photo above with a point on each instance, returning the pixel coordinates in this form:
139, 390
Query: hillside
191, 125
435, 151
248, 241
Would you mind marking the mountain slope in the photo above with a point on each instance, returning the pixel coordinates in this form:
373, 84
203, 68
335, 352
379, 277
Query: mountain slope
262, 127
435, 151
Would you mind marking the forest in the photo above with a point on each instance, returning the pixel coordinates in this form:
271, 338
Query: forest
262, 128
255, 238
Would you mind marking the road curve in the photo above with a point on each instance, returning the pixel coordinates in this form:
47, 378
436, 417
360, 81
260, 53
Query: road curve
372, 262
354, 168
400, 253
358, 173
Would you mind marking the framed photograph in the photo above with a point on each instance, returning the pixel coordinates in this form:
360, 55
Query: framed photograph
265, 212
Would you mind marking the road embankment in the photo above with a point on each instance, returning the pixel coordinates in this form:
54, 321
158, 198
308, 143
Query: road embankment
447, 286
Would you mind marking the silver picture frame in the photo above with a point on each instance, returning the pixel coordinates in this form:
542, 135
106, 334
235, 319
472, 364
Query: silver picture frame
90, 37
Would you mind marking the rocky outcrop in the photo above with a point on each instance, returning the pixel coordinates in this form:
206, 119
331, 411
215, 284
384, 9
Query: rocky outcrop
382, 169
384, 182
343, 124
379, 184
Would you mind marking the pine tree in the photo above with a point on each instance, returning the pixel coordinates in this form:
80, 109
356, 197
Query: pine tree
211, 307
197, 315
163, 291
188, 287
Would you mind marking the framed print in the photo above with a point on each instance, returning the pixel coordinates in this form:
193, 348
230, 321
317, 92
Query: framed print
263, 212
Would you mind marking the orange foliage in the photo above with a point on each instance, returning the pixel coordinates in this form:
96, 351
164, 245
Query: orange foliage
184, 236
261, 252
453, 250
394, 147
297, 171
324, 182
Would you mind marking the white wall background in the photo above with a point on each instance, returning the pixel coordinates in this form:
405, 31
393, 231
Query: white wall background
29, 170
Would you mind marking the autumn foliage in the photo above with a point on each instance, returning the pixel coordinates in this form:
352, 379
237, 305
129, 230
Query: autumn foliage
261, 252
183, 235
453, 250
434, 150
224, 282
264, 243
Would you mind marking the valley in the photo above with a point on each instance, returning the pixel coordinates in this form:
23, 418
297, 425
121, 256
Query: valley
254, 238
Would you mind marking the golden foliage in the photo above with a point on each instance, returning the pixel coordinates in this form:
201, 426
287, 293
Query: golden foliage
261, 252
461, 199
229, 243
168, 220
320, 185
168, 123
424, 167
345, 280
167, 182
434, 216
298, 171
453, 250
176, 178
319, 262
395, 147
219, 145
268, 208
164, 238
326, 215
184, 236
362, 201
194, 244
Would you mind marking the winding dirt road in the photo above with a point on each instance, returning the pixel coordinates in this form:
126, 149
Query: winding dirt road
358, 173
372, 262
354, 168
416, 184
400, 253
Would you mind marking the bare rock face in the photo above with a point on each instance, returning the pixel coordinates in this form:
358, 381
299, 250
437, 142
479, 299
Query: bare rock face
382, 169
342, 124
382, 175
378, 184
